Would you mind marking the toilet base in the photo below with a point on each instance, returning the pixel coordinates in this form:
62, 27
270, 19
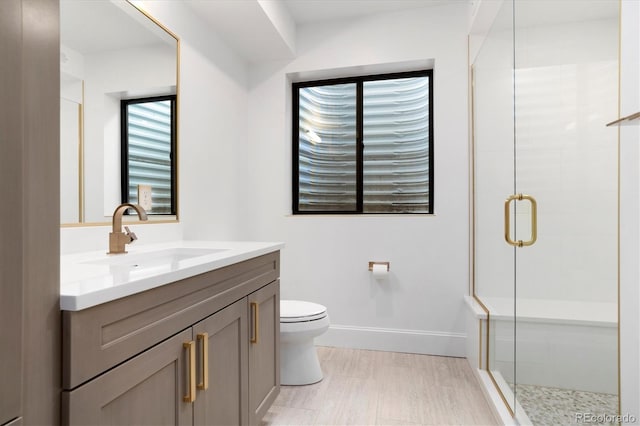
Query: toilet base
299, 364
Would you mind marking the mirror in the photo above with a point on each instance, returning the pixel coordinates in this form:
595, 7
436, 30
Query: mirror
110, 51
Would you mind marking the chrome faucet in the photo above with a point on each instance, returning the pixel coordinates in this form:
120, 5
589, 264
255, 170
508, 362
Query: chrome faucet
117, 238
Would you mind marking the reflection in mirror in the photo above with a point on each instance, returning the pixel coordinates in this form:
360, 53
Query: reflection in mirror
110, 51
70, 150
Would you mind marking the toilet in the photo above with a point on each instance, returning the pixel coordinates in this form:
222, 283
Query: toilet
300, 323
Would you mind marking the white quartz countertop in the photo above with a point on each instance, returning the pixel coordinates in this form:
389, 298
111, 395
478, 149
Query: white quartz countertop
92, 278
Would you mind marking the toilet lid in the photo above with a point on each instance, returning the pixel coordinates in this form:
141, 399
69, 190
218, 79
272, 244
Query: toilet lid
299, 311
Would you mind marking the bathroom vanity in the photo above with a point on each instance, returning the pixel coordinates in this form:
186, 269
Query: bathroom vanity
171, 335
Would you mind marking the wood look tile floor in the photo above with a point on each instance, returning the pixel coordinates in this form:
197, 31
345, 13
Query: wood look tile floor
362, 387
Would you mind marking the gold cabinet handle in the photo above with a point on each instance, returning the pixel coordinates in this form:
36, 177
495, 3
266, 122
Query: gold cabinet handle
255, 312
203, 338
534, 221
191, 358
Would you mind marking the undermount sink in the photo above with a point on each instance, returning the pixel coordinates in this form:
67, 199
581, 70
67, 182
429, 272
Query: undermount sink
153, 258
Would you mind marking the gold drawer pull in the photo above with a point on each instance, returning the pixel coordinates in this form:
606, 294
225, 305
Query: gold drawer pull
255, 312
203, 338
191, 358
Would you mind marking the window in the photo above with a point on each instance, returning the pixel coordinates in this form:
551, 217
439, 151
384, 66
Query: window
148, 146
364, 144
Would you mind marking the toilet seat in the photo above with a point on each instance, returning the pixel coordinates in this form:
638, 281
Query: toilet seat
292, 311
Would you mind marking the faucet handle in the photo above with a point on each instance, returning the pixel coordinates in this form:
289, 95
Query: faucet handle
131, 235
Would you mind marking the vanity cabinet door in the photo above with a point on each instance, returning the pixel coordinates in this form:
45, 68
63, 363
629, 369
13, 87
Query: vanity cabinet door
146, 390
222, 381
264, 350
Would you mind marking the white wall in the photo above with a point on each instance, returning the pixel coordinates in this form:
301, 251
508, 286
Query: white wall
420, 307
567, 158
630, 212
565, 91
213, 126
69, 158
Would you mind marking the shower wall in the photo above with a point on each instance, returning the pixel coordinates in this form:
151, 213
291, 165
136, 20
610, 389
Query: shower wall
565, 91
566, 85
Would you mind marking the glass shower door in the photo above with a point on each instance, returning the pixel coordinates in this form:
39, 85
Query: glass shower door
566, 88
545, 82
494, 180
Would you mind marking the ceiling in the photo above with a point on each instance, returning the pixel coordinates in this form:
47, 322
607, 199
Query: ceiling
91, 27
244, 25
307, 11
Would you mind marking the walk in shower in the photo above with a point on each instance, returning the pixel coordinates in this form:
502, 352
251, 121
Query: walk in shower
545, 220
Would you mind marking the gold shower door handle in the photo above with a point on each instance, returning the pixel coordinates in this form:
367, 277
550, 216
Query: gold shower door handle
191, 360
534, 221
255, 312
203, 338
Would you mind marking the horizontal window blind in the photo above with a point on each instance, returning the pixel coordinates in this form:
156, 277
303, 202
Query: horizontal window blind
394, 117
149, 151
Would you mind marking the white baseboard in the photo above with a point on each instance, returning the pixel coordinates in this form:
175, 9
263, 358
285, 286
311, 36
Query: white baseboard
394, 340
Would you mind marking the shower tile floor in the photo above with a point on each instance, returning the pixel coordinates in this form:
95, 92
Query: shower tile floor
553, 406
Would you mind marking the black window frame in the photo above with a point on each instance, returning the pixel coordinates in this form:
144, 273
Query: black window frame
359, 81
124, 148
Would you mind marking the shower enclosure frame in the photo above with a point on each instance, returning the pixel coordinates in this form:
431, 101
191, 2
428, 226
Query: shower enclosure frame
485, 326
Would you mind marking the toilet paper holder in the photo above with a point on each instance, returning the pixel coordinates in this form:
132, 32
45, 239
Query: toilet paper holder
371, 263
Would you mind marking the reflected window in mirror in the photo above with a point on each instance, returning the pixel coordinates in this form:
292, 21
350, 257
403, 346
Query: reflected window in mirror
148, 147
109, 50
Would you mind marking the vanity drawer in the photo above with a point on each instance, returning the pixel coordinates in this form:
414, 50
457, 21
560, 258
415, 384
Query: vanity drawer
98, 338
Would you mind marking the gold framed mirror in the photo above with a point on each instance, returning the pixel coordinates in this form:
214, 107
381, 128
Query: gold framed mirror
110, 51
